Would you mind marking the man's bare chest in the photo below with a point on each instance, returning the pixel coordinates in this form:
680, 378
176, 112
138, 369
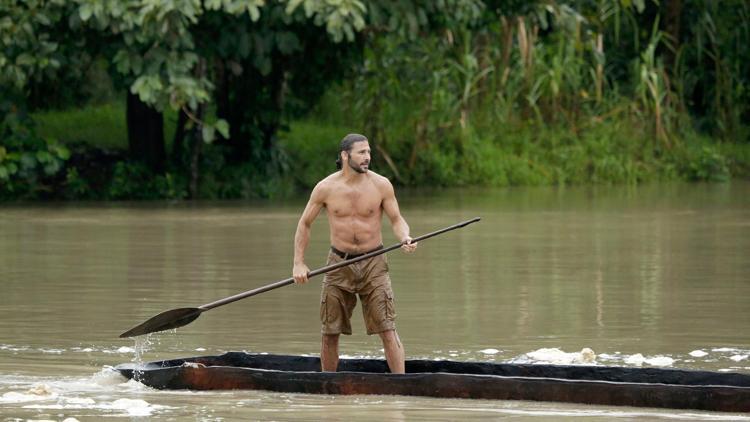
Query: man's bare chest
352, 202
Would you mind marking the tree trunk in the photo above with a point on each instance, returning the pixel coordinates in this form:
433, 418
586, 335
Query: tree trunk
194, 138
196, 146
270, 126
178, 143
145, 133
672, 13
254, 107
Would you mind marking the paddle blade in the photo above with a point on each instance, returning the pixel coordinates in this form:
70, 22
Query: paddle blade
165, 321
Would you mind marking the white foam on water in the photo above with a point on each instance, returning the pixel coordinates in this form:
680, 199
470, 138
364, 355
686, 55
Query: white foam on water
106, 393
725, 349
660, 361
15, 397
607, 414
607, 356
38, 392
134, 407
698, 353
130, 407
112, 350
362, 356
638, 360
133, 386
108, 377
80, 401
102, 391
119, 350
738, 358
41, 390
83, 349
13, 348
489, 351
556, 356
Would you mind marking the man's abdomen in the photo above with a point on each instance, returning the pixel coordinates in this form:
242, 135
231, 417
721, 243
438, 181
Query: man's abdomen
355, 234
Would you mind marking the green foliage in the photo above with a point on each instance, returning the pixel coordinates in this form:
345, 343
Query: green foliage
129, 181
451, 92
101, 125
27, 46
737, 156
581, 73
133, 180
244, 182
27, 161
76, 187
705, 163
712, 66
312, 150
613, 152
341, 18
157, 51
163, 51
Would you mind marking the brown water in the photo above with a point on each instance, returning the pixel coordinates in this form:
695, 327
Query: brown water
655, 275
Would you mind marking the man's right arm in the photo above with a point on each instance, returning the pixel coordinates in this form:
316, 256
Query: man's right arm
302, 236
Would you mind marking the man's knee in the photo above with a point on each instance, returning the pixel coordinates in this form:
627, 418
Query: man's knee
331, 339
390, 336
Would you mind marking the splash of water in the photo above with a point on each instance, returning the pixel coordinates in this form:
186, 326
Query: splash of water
142, 345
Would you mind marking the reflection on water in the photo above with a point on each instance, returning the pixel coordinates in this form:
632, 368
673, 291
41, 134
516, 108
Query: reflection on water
647, 275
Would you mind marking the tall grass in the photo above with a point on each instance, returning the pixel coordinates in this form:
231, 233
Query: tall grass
101, 125
568, 92
612, 152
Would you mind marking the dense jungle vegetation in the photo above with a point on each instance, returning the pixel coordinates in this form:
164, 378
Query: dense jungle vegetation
178, 99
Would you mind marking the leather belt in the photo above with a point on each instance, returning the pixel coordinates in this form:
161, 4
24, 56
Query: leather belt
347, 255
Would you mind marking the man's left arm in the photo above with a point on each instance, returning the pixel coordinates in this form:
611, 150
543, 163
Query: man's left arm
399, 225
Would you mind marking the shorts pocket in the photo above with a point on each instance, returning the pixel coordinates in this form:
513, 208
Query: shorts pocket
323, 311
390, 309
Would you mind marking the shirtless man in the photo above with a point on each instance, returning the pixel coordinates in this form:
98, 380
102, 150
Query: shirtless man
355, 199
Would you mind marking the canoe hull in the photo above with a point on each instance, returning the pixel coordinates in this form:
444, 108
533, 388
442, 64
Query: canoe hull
202, 373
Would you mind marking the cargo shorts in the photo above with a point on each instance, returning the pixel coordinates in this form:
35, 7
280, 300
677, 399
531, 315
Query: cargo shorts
367, 279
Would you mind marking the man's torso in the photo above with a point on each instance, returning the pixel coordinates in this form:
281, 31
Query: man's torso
354, 213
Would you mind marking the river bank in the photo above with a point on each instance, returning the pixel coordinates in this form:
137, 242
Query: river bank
611, 152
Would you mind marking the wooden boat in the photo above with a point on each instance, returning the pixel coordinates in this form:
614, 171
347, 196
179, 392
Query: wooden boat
614, 386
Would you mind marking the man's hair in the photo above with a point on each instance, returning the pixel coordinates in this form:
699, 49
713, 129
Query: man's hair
346, 145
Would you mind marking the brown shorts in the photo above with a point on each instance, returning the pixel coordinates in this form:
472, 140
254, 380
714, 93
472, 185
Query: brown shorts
370, 280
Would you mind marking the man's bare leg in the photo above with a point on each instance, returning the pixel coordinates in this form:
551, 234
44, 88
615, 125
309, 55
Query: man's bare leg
329, 353
394, 351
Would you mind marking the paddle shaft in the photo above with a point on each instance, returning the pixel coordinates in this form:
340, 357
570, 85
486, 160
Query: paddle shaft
328, 268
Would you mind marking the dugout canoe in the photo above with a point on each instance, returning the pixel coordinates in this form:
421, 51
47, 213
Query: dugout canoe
602, 385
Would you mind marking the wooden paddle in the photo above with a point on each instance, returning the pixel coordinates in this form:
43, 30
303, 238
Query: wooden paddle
179, 317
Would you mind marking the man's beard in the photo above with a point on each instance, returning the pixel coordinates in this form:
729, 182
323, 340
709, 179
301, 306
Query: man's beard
356, 167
